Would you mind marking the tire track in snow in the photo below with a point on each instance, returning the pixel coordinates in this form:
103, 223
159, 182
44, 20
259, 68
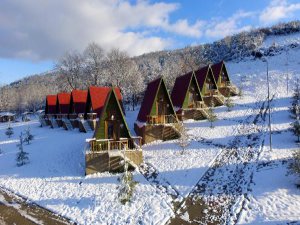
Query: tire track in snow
214, 198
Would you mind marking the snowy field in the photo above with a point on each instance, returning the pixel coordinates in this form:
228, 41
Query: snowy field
55, 179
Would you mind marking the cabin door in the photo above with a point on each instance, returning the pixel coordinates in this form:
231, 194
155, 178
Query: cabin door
112, 130
161, 110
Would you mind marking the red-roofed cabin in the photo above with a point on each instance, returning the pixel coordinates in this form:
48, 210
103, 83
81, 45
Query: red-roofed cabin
208, 87
62, 107
157, 118
223, 81
187, 99
77, 106
50, 108
95, 101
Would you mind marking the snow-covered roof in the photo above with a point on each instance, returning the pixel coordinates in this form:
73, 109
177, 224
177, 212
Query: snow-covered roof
7, 114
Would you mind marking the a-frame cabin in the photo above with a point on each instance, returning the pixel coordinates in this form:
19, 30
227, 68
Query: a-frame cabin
95, 101
62, 107
77, 106
50, 110
157, 118
112, 140
208, 87
224, 84
187, 98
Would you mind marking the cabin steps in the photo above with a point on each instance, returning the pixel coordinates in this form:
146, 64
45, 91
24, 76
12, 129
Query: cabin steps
170, 132
85, 127
53, 123
234, 90
67, 124
204, 113
220, 99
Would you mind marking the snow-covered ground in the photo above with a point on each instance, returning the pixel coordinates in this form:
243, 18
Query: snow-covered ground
55, 179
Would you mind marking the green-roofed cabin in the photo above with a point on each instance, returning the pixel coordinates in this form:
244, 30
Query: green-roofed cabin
112, 141
224, 84
187, 98
157, 119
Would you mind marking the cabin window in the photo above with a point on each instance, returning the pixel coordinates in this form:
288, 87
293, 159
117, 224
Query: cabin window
224, 78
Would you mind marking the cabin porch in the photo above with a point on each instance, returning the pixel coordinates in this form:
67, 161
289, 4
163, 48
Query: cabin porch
195, 111
212, 97
109, 155
227, 89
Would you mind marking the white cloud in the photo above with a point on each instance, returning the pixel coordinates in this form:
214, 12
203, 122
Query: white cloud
278, 9
45, 30
221, 28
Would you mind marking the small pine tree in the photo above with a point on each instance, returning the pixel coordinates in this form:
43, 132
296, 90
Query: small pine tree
28, 136
212, 117
9, 131
183, 140
296, 129
240, 92
295, 165
22, 156
127, 184
229, 103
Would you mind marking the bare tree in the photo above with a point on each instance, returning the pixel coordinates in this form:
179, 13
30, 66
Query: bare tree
94, 64
70, 67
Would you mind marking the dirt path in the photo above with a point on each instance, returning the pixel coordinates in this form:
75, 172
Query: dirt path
15, 210
218, 197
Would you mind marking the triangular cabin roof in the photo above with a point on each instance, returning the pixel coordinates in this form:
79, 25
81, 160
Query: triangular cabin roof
150, 97
51, 104
115, 95
78, 101
217, 69
202, 74
98, 95
63, 103
181, 88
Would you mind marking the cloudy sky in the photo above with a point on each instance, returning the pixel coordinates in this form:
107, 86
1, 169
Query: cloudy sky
33, 34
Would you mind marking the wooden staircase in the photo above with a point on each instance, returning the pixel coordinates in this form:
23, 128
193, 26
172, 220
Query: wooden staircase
67, 124
116, 160
53, 123
170, 132
233, 90
219, 100
84, 125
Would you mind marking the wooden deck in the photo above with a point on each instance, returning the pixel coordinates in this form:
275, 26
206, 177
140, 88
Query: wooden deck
108, 155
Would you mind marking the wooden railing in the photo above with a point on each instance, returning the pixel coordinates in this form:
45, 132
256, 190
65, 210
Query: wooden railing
98, 145
61, 116
73, 116
161, 119
211, 92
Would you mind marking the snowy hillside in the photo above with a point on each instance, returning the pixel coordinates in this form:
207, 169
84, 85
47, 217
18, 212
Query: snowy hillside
229, 166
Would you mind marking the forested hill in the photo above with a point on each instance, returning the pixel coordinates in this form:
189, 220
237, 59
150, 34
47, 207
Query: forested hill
29, 93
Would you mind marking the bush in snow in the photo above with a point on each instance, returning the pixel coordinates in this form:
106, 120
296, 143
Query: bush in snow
183, 140
212, 117
1, 152
127, 184
22, 156
229, 103
28, 136
9, 131
295, 165
296, 129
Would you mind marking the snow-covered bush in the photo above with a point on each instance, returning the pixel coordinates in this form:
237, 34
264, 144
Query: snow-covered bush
229, 103
127, 184
28, 136
295, 165
183, 140
22, 156
9, 131
212, 117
